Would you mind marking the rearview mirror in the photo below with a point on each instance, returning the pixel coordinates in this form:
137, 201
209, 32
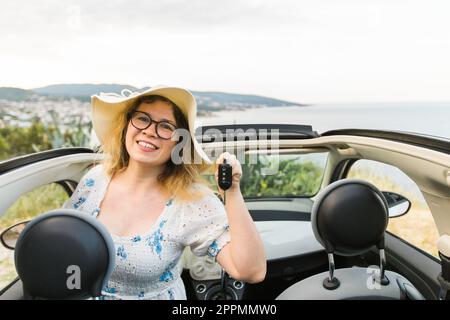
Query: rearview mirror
9, 237
398, 205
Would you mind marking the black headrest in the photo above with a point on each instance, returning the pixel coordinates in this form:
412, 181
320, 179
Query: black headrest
64, 254
349, 217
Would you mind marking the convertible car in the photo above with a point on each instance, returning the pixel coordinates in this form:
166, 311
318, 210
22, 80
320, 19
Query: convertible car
323, 222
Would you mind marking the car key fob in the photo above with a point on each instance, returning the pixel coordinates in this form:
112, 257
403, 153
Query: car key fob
225, 175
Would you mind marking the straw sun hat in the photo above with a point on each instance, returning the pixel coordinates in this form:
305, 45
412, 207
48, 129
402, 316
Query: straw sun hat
107, 106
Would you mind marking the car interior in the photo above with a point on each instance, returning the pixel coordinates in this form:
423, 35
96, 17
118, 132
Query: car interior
313, 250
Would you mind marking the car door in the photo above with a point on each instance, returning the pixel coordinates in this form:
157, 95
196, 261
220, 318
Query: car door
31, 185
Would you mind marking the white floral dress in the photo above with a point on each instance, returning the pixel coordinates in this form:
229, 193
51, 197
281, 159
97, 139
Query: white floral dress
148, 266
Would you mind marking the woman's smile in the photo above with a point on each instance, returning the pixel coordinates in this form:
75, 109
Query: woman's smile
146, 146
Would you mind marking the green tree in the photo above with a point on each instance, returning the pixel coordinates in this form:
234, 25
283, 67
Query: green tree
16, 141
293, 177
19, 141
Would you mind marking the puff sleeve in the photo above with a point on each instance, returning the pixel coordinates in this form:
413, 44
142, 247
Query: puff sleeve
205, 226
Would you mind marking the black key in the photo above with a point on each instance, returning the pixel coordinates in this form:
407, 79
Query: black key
225, 175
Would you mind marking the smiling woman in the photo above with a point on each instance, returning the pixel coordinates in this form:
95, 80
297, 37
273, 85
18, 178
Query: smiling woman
137, 136
154, 208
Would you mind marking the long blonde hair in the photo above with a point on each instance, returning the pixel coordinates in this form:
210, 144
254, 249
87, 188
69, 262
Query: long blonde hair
177, 180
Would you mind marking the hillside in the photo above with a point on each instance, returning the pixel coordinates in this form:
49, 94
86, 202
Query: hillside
16, 94
71, 100
205, 100
81, 90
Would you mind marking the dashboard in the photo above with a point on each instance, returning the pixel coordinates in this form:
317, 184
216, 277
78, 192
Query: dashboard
284, 225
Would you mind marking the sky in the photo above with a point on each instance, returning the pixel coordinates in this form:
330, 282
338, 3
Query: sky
307, 51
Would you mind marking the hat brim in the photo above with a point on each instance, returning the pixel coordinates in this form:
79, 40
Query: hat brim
106, 107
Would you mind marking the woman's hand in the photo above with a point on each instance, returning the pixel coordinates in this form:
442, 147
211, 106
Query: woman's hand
236, 170
243, 257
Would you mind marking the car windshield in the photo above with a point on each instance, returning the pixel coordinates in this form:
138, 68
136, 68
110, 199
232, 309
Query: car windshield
281, 175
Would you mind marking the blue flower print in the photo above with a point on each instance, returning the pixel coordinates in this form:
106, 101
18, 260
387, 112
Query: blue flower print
95, 212
90, 182
136, 239
141, 295
121, 252
109, 290
167, 275
171, 296
213, 249
79, 202
154, 241
169, 203
226, 227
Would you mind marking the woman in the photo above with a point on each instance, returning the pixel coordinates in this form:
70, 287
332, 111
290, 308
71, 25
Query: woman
153, 207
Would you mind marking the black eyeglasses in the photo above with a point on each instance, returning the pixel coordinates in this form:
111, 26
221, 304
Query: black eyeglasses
142, 120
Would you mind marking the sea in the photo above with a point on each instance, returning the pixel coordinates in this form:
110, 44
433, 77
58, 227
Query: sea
424, 118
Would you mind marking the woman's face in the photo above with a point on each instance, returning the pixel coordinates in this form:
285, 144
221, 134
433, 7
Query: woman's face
136, 139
